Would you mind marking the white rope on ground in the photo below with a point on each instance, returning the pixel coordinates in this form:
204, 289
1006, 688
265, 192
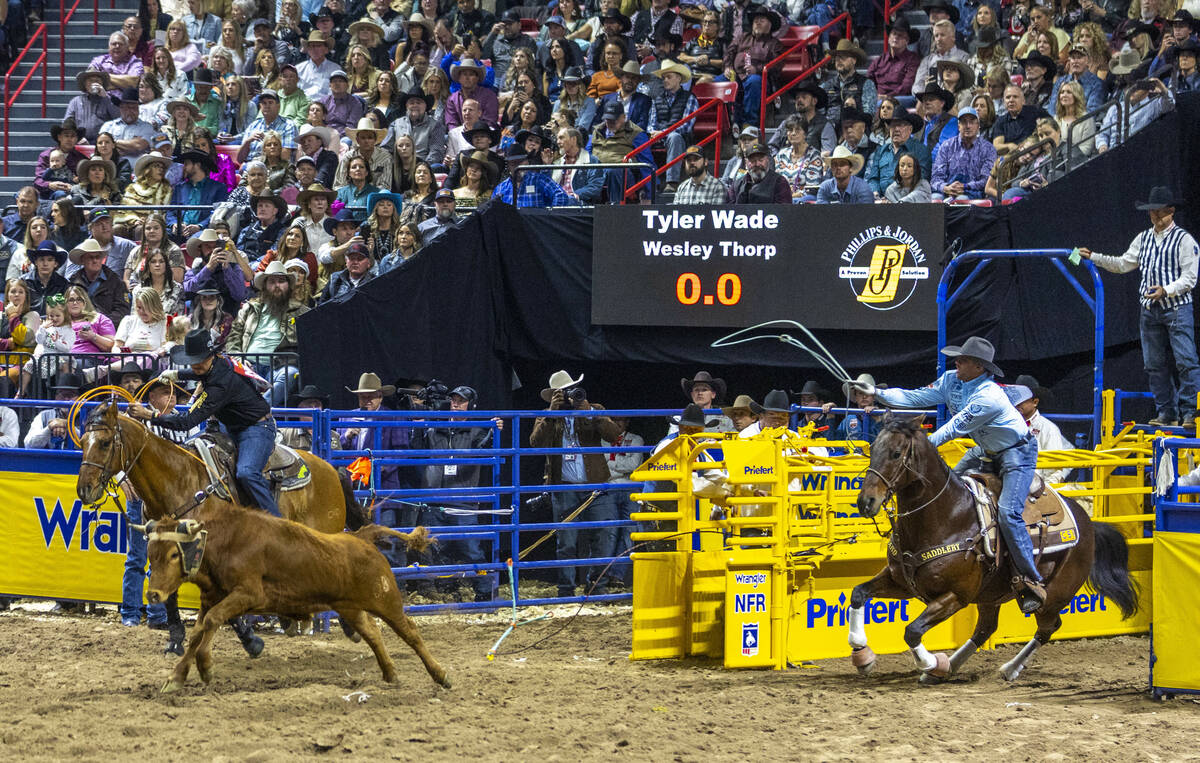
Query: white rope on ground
821, 354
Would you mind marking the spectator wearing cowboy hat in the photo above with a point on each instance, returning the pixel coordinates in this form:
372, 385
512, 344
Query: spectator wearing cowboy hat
133, 135
196, 189
255, 239
742, 415
268, 120
503, 40
1039, 71
217, 264
666, 48
810, 100
360, 268
707, 391
761, 184
650, 23
342, 108
746, 56
943, 47
528, 189
266, 327
775, 411
671, 105
940, 124
964, 162
129, 376
1167, 257
813, 395
116, 248
316, 143
638, 106
380, 162
428, 134
573, 468
895, 70
940, 10
103, 284
1180, 29
481, 137
845, 86
479, 176
314, 71
854, 134
310, 397
854, 426
43, 279
469, 73
92, 108
1181, 69
65, 137
612, 26
845, 186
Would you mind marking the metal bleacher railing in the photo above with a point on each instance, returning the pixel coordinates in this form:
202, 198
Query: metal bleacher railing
10, 96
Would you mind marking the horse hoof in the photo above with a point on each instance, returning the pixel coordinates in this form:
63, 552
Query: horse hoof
253, 646
929, 679
445, 682
170, 687
1010, 674
291, 628
863, 659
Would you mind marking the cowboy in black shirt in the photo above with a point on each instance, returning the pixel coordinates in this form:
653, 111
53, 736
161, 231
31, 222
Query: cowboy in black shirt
233, 399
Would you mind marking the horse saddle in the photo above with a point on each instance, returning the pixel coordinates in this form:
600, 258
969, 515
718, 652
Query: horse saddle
285, 470
1051, 525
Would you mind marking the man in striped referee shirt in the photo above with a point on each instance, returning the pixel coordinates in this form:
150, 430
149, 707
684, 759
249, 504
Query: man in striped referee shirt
1167, 256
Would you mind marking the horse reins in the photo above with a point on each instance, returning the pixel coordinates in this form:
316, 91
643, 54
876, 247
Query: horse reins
894, 514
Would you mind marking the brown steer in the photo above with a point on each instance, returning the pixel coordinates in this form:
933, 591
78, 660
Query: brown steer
248, 561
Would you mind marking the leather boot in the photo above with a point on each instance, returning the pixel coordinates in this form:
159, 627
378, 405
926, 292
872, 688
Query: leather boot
1030, 594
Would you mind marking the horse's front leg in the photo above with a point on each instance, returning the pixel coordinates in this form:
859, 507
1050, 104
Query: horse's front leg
882, 586
934, 667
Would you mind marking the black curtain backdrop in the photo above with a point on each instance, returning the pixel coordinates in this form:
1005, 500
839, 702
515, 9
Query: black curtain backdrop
505, 300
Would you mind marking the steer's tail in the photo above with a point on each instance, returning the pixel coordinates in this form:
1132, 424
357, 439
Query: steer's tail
357, 515
418, 540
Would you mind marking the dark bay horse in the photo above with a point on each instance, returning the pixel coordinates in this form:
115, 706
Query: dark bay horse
935, 509
167, 476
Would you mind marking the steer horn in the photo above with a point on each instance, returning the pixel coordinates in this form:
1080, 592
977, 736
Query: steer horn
145, 529
191, 527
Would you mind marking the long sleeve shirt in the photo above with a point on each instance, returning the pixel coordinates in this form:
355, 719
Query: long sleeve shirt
536, 190
894, 75
1168, 259
978, 409
1141, 114
972, 164
856, 192
225, 393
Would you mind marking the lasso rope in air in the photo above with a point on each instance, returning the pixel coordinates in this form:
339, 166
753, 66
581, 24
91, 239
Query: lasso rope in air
821, 353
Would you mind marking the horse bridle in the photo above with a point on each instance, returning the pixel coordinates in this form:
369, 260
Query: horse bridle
108, 475
905, 466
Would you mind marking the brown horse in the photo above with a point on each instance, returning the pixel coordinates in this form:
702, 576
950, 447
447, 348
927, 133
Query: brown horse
167, 478
935, 509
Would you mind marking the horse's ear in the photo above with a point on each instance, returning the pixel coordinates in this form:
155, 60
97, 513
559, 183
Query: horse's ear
918, 421
110, 412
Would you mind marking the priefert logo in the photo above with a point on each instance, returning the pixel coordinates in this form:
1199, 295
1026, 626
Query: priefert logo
759, 470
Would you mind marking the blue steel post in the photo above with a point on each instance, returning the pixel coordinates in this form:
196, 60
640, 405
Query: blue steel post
515, 535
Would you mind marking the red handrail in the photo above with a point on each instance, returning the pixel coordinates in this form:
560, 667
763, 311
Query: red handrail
10, 99
808, 40
64, 15
889, 8
721, 116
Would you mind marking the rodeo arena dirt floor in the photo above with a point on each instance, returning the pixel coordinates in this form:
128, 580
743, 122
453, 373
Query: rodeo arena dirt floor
83, 687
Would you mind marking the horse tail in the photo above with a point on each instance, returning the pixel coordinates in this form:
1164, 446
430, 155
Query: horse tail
1110, 569
418, 540
357, 514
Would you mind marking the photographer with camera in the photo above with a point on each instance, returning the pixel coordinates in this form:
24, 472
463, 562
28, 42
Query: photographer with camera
218, 265
448, 511
564, 393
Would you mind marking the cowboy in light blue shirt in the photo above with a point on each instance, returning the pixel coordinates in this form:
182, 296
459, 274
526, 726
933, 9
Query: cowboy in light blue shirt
980, 409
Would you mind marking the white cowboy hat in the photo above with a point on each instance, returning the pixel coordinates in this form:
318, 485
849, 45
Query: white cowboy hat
87, 246
841, 152
559, 380
862, 379
206, 236
369, 382
275, 268
324, 133
672, 66
365, 125
151, 158
466, 63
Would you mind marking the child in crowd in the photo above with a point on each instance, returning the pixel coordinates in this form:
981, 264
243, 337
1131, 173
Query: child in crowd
58, 172
54, 335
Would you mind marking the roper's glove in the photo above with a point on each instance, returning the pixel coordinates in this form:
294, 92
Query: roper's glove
170, 375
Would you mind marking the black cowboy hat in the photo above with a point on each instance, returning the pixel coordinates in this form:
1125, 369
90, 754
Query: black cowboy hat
939, 92
1041, 60
903, 26
480, 126
537, 131
67, 380
1160, 196
851, 114
814, 388
987, 37
703, 377
202, 76
810, 86
309, 392
131, 367
202, 157
1187, 46
1041, 393
942, 5
975, 347
612, 14
197, 347
904, 115
772, 16
416, 94
692, 416
280, 205
666, 35
776, 400
1138, 27
515, 153
1184, 17
67, 124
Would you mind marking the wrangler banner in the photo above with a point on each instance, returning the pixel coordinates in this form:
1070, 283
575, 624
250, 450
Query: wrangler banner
53, 545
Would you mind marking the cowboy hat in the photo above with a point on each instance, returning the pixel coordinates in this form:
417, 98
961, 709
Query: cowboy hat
935, 90
1041, 393
901, 25
280, 205
364, 23
537, 131
369, 382
206, 236
514, 153
480, 127
87, 246
703, 377
692, 416
1160, 196
484, 160
416, 94
814, 388
1141, 27
81, 169
198, 346
315, 37
309, 392
612, 14
202, 77
987, 37
343, 215
1039, 59
559, 380
848, 48
418, 19
67, 124
572, 74
769, 14
131, 367
203, 158
322, 132
632, 69
776, 401
374, 198
49, 248
666, 35
366, 125
316, 189
848, 387
128, 95
145, 160
67, 380
909, 118
978, 348
467, 63
966, 75
275, 268
841, 152
185, 103
671, 66
811, 87
740, 403
942, 5
1125, 62
82, 77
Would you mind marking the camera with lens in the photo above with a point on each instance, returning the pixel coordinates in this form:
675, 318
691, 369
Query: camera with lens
436, 396
539, 502
575, 395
